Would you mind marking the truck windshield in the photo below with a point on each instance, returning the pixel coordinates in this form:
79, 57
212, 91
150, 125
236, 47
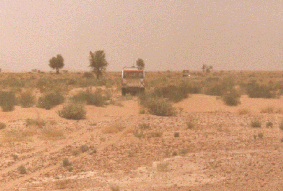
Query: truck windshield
133, 74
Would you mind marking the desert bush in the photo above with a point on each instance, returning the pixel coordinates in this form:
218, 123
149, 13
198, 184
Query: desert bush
50, 100
176, 134
90, 98
2, 125
184, 151
243, 111
114, 187
269, 124
84, 148
163, 166
173, 93
35, 122
221, 87
260, 135
281, 125
190, 125
26, 99
144, 125
113, 128
231, 98
22, 169
158, 106
267, 110
88, 75
66, 162
72, 111
51, 133
255, 123
255, 90
7, 100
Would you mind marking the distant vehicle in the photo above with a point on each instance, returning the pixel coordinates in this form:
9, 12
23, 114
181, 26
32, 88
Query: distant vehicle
186, 73
132, 80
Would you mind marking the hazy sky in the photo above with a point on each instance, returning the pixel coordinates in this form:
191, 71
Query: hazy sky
166, 34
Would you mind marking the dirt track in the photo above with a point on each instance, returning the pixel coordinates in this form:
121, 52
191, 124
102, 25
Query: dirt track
221, 152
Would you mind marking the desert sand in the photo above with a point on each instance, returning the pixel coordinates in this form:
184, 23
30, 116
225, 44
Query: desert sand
220, 152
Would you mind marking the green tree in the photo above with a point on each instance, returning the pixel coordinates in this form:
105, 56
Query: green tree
140, 63
56, 63
98, 62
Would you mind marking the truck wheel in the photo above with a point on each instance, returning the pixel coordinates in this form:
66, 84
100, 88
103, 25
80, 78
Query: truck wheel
123, 91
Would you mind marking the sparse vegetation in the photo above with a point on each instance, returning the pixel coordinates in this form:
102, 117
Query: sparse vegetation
90, 98
51, 133
190, 124
36, 122
114, 187
163, 166
260, 135
281, 125
66, 162
255, 90
27, 99
84, 148
113, 128
255, 123
184, 151
50, 100
7, 100
22, 169
176, 134
2, 125
232, 98
159, 107
269, 124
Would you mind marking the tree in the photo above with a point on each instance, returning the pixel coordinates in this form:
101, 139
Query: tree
206, 68
98, 62
56, 63
140, 63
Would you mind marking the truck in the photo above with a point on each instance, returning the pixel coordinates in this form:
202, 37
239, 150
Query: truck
133, 80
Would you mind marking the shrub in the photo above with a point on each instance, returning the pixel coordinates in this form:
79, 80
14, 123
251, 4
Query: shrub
260, 135
255, 123
281, 125
27, 99
88, 75
159, 107
231, 98
2, 125
84, 148
255, 90
176, 134
90, 98
7, 100
144, 125
72, 111
190, 125
66, 162
269, 124
37, 122
22, 169
50, 100
173, 93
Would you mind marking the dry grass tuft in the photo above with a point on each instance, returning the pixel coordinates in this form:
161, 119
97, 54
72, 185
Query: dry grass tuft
18, 135
114, 128
243, 111
50, 133
267, 110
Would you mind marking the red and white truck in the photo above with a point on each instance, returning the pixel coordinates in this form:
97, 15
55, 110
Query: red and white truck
132, 80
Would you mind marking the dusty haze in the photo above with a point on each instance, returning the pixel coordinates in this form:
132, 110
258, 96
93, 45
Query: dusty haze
167, 35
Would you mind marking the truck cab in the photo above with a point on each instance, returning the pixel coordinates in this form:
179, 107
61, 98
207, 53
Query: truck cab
132, 80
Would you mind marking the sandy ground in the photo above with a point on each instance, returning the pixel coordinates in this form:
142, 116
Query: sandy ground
221, 152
